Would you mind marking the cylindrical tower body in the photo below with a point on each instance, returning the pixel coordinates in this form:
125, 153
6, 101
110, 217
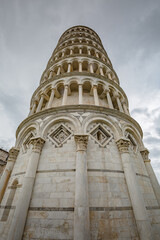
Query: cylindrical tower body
79, 169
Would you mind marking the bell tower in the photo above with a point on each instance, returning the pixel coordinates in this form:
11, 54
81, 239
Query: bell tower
79, 169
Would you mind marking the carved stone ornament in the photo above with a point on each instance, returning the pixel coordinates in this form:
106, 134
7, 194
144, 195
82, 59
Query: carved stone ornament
123, 145
145, 154
101, 135
60, 135
81, 142
13, 153
37, 143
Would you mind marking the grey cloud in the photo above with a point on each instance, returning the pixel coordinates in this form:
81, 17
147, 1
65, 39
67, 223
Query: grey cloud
151, 140
140, 111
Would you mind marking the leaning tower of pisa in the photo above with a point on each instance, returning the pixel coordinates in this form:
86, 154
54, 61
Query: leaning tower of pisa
79, 169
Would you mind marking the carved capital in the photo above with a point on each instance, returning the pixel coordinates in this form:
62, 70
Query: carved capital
123, 145
37, 143
145, 154
81, 142
13, 153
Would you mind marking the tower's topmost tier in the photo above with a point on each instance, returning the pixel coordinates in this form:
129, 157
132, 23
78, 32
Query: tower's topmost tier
79, 72
79, 49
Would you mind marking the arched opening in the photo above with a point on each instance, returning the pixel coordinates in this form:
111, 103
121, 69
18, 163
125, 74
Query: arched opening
76, 40
85, 66
67, 52
60, 89
95, 68
73, 92
84, 50
76, 50
65, 67
114, 102
87, 87
92, 52
83, 40
9, 201
75, 66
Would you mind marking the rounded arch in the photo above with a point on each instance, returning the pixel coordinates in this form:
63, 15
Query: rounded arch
99, 118
126, 127
30, 128
60, 118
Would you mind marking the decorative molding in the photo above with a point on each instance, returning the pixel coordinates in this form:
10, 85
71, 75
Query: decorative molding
37, 143
123, 145
81, 142
13, 153
145, 154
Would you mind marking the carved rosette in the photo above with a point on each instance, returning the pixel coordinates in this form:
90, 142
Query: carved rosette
81, 142
13, 153
123, 145
37, 144
145, 154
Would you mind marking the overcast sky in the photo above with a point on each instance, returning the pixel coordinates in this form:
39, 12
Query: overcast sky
130, 33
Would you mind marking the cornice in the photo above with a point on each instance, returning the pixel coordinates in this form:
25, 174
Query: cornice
75, 108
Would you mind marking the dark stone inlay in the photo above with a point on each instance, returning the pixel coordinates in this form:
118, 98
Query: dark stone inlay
153, 207
142, 175
56, 170
7, 207
20, 173
65, 209
105, 170
110, 208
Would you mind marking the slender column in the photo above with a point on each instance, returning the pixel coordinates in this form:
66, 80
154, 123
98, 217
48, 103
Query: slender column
33, 109
80, 50
80, 66
101, 71
89, 51
56, 57
51, 98
81, 211
91, 68
59, 70
51, 74
64, 101
109, 76
118, 102
97, 55
95, 94
109, 99
20, 214
152, 176
71, 51
63, 54
69, 68
125, 107
80, 89
138, 204
13, 153
40, 103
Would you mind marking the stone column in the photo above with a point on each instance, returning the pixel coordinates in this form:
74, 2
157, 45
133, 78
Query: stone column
91, 68
62, 54
33, 109
81, 211
13, 153
118, 102
71, 51
89, 51
97, 55
95, 94
151, 174
59, 70
51, 98
138, 204
80, 50
80, 66
124, 104
20, 214
69, 67
64, 101
50, 74
101, 71
109, 99
80, 90
40, 103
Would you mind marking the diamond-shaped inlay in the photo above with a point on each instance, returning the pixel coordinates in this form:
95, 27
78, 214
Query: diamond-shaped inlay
60, 135
101, 135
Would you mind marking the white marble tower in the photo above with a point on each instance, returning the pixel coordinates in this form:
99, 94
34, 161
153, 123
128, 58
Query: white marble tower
79, 169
